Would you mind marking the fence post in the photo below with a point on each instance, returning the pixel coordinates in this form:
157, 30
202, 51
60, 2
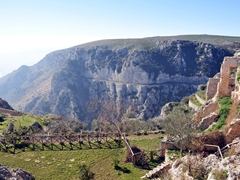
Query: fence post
151, 155
133, 159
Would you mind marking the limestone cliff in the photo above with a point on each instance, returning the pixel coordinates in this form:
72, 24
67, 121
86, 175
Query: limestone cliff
147, 72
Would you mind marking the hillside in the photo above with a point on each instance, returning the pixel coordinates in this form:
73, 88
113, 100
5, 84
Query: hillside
146, 72
4, 104
213, 137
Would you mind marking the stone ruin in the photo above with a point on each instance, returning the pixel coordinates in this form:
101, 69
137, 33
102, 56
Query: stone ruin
225, 83
222, 84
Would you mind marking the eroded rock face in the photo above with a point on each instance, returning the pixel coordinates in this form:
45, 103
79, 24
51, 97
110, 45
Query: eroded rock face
211, 167
4, 104
14, 174
65, 81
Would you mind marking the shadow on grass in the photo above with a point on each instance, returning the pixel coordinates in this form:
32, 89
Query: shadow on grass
122, 169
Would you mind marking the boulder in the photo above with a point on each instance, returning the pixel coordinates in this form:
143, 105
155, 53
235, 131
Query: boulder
14, 174
10, 128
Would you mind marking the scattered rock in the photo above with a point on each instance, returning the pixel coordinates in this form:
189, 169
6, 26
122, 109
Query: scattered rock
27, 159
14, 174
237, 149
10, 128
207, 166
37, 161
36, 126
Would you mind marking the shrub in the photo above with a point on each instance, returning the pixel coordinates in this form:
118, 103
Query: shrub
2, 116
220, 174
138, 133
185, 100
85, 173
145, 133
161, 131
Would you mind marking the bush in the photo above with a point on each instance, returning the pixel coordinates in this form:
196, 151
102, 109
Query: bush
145, 133
185, 100
138, 133
2, 116
220, 174
85, 173
161, 131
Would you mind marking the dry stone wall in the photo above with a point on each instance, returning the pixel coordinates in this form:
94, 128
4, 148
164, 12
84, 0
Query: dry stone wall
225, 84
212, 87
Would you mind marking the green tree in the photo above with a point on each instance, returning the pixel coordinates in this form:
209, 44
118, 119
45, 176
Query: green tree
180, 127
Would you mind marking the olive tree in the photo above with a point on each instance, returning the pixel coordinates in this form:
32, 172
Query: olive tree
180, 127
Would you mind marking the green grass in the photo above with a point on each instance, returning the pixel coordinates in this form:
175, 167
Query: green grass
149, 142
174, 154
20, 121
62, 164
202, 94
194, 100
223, 111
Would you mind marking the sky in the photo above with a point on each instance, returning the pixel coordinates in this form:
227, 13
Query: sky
30, 29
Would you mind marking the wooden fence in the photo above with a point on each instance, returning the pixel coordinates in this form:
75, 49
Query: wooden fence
67, 142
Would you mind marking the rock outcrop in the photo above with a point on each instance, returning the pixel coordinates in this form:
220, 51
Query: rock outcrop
4, 104
147, 73
14, 174
210, 167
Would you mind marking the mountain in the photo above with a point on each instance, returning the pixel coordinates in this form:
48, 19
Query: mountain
146, 72
4, 104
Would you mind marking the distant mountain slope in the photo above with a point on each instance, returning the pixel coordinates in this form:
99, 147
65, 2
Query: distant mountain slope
4, 104
148, 72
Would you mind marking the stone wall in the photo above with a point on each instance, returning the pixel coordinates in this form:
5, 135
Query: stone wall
208, 120
212, 87
236, 92
224, 88
207, 110
165, 144
192, 105
200, 99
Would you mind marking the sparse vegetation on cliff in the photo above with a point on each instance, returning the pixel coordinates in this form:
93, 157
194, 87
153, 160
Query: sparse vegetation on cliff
194, 100
225, 105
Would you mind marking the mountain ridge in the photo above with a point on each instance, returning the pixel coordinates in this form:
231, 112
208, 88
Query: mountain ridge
64, 81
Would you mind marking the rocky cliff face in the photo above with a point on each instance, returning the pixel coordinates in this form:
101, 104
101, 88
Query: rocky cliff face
4, 104
147, 72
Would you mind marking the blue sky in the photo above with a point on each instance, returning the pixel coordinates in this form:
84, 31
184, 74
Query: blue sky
29, 29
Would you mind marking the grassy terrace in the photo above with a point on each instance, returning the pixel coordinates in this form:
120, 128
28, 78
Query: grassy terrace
202, 94
63, 164
194, 100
